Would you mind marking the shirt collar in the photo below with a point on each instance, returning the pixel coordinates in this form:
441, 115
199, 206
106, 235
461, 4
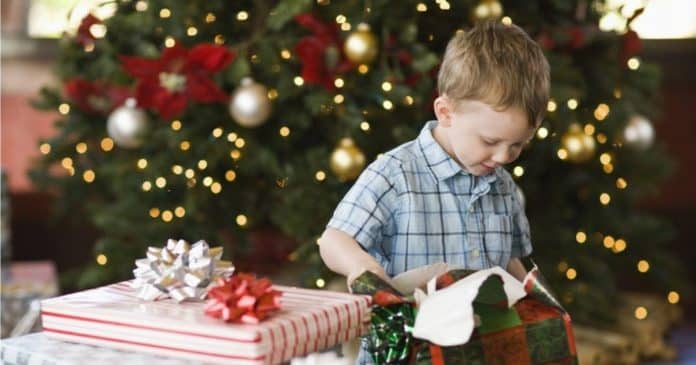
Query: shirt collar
441, 164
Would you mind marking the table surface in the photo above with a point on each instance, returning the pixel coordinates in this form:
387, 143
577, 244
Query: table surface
37, 349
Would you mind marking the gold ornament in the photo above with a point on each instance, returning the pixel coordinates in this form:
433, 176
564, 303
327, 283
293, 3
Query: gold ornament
249, 105
361, 45
487, 9
580, 146
347, 160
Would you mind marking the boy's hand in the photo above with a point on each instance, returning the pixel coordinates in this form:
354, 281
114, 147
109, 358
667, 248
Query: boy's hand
516, 269
377, 270
343, 255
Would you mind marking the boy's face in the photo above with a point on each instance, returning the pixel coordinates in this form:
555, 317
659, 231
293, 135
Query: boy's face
479, 137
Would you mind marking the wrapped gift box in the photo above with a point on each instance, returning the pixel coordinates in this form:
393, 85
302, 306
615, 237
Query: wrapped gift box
22, 284
113, 316
534, 331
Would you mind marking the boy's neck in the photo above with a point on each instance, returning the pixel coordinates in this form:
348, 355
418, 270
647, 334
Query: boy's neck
440, 137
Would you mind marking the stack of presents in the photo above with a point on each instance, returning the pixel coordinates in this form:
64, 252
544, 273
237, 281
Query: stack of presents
185, 305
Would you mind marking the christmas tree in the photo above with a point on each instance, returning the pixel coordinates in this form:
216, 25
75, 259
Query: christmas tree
236, 121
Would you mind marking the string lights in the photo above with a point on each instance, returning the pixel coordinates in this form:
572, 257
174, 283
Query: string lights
572, 104
581, 237
106, 144
81, 147
64, 108
45, 148
88, 176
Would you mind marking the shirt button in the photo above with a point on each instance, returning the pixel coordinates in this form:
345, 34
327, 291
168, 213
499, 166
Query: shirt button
475, 253
471, 208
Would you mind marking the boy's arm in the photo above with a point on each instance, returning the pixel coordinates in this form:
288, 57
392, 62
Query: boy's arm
516, 269
343, 255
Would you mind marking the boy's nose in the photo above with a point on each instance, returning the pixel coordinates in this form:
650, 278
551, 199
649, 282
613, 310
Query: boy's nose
501, 157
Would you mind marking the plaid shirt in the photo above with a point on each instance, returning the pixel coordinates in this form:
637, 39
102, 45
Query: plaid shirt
416, 206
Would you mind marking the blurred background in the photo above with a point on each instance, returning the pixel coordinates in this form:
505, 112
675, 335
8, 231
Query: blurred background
89, 181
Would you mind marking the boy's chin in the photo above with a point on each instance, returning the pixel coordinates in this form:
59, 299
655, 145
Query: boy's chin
480, 170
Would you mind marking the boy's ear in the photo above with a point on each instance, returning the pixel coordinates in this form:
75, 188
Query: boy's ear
443, 110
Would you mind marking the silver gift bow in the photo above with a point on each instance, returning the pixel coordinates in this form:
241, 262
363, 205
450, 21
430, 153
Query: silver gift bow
179, 270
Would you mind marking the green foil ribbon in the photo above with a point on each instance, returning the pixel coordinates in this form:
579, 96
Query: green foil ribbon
390, 340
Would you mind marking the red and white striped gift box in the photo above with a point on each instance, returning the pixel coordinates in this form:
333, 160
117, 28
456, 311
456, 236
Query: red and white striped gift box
113, 316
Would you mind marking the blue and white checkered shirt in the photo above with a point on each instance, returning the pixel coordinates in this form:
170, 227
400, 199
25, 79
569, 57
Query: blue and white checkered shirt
416, 206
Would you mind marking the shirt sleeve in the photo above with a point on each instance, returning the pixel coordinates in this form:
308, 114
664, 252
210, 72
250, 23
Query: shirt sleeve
521, 237
366, 209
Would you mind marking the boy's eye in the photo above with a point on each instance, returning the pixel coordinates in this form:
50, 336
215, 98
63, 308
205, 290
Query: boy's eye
489, 143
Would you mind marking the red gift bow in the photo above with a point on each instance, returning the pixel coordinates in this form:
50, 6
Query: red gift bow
179, 75
242, 298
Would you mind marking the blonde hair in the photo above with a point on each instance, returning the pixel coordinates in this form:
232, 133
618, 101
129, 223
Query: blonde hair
498, 64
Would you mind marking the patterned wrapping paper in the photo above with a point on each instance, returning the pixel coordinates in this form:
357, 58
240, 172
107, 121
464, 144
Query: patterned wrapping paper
113, 316
535, 331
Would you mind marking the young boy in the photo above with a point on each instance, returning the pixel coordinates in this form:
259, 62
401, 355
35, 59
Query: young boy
445, 196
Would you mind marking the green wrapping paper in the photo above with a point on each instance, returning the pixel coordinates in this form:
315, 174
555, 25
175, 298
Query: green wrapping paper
535, 331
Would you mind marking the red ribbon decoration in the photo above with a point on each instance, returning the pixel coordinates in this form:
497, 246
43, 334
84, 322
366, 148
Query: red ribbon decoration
242, 298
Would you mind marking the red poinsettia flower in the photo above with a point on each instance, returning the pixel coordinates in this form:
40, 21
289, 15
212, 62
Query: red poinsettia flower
95, 97
577, 36
404, 57
178, 76
321, 53
545, 40
630, 46
84, 36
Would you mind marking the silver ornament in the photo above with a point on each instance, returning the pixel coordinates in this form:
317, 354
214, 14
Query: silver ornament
639, 132
127, 125
249, 105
